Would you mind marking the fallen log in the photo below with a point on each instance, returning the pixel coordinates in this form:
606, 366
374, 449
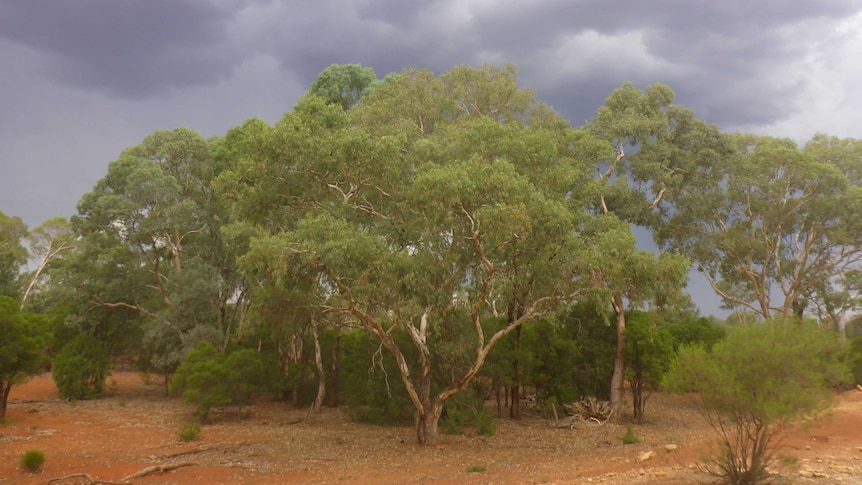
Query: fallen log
87, 476
157, 469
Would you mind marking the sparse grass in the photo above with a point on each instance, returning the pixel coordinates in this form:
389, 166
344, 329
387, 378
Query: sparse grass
630, 438
476, 469
32, 460
190, 431
339, 440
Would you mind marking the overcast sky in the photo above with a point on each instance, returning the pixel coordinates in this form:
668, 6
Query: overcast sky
83, 79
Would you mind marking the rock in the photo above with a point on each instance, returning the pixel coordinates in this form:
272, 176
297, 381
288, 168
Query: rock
660, 474
645, 456
671, 447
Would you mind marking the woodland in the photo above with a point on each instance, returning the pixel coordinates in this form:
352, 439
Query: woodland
437, 250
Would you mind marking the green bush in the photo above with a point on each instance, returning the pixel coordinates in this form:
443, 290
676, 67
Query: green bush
370, 383
648, 352
855, 358
32, 460
208, 378
467, 409
81, 368
630, 438
190, 431
753, 384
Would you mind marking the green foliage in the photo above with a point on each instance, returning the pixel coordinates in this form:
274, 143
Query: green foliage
753, 384
476, 469
694, 330
630, 438
370, 382
344, 84
13, 255
209, 378
32, 460
81, 368
648, 352
596, 338
467, 409
854, 354
22, 347
189, 431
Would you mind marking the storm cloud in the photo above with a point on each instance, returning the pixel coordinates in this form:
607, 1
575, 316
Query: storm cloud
82, 80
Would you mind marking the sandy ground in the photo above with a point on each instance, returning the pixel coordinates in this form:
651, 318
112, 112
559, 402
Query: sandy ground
136, 428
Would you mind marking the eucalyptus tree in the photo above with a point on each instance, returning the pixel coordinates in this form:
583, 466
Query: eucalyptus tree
435, 199
344, 84
151, 246
47, 243
627, 190
770, 225
13, 254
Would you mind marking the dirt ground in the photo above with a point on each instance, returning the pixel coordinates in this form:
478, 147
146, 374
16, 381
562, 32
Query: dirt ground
136, 428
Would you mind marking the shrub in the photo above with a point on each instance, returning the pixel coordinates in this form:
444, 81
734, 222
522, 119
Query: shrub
752, 385
81, 368
630, 438
32, 460
855, 358
190, 431
648, 351
209, 378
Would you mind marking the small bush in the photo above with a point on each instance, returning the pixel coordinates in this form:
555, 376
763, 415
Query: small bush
453, 421
630, 438
209, 378
753, 384
81, 368
190, 432
32, 460
476, 469
485, 423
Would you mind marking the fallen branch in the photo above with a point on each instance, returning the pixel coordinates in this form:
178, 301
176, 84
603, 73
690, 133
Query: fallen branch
202, 449
89, 478
156, 469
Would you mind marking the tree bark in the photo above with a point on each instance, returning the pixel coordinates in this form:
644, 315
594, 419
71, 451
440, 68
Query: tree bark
616, 401
427, 423
5, 387
515, 406
333, 371
318, 364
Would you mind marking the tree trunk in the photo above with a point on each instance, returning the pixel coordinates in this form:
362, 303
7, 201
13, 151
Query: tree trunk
515, 406
333, 370
318, 364
619, 362
638, 386
427, 423
5, 387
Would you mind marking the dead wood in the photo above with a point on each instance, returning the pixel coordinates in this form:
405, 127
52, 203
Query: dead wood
590, 409
89, 478
157, 469
203, 449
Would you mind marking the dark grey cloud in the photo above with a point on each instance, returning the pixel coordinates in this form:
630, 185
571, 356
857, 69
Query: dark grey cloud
127, 48
84, 79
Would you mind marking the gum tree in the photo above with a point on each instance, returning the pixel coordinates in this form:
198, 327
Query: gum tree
445, 196
770, 226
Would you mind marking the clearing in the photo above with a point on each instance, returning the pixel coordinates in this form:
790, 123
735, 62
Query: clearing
135, 429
